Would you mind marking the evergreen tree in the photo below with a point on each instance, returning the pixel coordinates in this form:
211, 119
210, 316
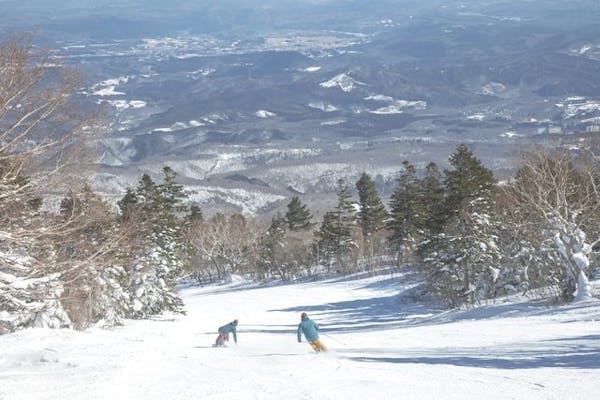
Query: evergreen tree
432, 200
160, 208
297, 216
148, 196
335, 234
345, 210
464, 264
467, 179
170, 224
372, 214
328, 236
271, 248
462, 260
406, 211
127, 203
172, 194
196, 214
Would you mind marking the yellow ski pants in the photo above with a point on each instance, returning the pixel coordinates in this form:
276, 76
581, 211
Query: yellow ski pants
317, 346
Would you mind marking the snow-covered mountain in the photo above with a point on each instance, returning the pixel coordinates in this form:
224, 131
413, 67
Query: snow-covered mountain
366, 84
342, 81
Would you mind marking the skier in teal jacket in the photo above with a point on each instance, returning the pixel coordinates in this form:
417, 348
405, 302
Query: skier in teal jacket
224, 332
310, 329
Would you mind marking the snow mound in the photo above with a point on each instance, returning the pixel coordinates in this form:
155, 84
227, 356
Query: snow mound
325, 107
234, 279
342, 81
312, 69
264, 114
492, 89
398, 107
379, 97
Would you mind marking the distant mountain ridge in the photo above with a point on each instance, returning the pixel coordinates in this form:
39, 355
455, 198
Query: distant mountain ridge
302, 94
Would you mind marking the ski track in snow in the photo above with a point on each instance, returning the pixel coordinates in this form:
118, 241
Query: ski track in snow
382, 346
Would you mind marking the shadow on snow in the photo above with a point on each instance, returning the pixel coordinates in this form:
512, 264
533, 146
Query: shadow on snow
575, 352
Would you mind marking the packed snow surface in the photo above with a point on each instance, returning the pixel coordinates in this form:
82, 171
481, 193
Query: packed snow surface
382, 345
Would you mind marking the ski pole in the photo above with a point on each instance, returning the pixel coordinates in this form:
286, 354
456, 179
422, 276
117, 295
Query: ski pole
332, 338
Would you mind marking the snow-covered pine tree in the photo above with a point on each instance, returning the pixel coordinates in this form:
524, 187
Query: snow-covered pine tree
29, 293
334, 238
372, 214
171, 225
154, 272
297, 216
406, 213
432, 201
465, 265
327, 238
271, 249
467, 179
462, 261
28, 298
372, 217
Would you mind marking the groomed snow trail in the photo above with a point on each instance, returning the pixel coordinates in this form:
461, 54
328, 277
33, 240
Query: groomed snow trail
383, 346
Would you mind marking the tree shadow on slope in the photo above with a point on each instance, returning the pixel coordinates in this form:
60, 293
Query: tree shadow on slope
581, 352
395, 274
372, 313
405, 309
523, 307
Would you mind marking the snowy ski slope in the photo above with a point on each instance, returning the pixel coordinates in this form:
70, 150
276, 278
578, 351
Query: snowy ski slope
382, 346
